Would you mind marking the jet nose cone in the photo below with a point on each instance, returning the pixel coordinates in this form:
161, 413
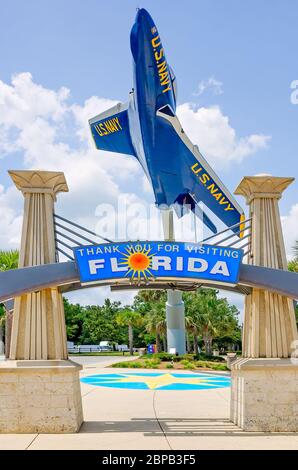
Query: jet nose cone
143, 16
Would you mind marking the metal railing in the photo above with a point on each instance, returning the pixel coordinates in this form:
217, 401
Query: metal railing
69, 235
240, 239
64, 227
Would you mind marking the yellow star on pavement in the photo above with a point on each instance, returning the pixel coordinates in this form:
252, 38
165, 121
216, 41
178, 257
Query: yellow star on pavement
164, 380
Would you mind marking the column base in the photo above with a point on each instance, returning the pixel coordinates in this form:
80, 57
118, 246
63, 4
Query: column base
265, 395
40, 397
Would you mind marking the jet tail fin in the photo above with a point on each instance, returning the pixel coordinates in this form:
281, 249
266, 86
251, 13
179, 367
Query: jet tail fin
110, 130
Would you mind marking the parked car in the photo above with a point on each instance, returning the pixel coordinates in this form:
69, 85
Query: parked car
105, 346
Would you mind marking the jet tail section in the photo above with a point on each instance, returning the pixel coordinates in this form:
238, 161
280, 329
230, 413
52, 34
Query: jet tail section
185, 200
110, 130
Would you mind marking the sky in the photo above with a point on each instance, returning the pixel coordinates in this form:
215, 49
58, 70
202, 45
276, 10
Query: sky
62, 62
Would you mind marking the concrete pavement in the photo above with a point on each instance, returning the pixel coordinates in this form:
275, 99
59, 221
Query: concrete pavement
94, 362
151, 419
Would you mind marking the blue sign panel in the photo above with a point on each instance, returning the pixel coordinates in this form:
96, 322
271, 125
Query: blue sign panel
151, 348
149, 261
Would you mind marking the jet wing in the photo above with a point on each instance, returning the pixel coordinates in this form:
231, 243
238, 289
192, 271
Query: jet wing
110, 130
201, 182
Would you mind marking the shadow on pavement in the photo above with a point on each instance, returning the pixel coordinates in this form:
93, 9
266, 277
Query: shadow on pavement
174, 427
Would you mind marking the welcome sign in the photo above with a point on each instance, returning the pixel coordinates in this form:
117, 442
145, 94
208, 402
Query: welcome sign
159, 260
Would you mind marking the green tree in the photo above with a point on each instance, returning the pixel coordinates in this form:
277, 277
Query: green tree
99, 324
151, 306
131, 319
192, 319
209, 317
218, 319
74, 319
293, 264
9, 259
155, 323
93, 323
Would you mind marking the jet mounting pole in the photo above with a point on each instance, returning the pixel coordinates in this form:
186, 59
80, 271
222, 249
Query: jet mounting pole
175, 311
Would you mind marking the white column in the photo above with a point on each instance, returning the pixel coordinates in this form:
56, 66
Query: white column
264, 382
269, 320
42, 384
38, 328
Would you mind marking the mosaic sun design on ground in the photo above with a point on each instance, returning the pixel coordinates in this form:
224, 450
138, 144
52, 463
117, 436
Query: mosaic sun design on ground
158, 381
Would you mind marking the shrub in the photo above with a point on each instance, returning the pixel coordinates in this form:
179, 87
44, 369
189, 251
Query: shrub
211, 365
136, 365
204, 357
129, 364
169, 366
152, 363
163, 356
187, 364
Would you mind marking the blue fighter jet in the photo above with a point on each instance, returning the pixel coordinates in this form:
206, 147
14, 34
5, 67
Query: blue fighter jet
148, 129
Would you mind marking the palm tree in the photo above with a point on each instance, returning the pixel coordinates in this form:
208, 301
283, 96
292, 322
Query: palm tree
192, 328
208, 317
8, 260
155, 323
293, 264
131, 319
151, 305
193, 307
218, 319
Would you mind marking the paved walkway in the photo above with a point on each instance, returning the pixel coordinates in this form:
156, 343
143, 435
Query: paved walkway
94, 362
152, 419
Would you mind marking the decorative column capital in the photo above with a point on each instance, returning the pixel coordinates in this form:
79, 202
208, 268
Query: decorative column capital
262, 186
35, 181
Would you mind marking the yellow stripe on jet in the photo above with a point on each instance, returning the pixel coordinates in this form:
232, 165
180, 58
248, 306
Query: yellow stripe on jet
108, 127
214, 190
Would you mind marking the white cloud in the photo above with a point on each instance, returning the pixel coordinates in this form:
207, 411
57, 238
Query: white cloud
11, 206
210, 129
216, 86
50, 132
54, 135
290, 229
23, 101
97, 295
